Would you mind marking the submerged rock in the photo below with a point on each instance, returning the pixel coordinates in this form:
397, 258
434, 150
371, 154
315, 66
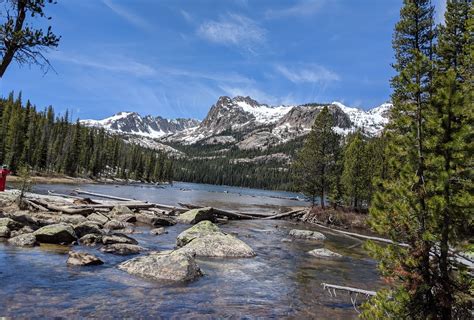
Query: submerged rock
158, 231
122, 249
324, 253
23, 240
4, 232
10, 224
118, 238
218, 244
199, 230
56, 233
196, 215
172, 266
83, 259
307, 234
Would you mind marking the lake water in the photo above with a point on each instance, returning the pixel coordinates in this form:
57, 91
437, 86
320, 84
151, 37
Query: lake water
282, 281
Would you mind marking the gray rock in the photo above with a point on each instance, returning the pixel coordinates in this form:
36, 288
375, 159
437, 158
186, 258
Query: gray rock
158, 231
23, 240
98, 217
24, 230
324, 253
87, 227
200, 229
56, 233
307, 234
114, 225
172, 266
197, 215
72, 219
155, 220
4, 232
10, 224
120, 210
91, 239
130, 218
83, 259
122, 249
218, 245
118, 238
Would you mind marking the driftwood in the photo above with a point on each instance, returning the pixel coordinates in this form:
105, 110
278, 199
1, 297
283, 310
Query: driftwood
33, 205
228, 214
327, 286
132, 205
52, 207
52, 193
103, 195
285, 214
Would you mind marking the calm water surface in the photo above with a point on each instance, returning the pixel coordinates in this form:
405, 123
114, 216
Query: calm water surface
282, 281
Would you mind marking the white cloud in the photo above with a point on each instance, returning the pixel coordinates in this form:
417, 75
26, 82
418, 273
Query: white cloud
127, 15
301, 8
311, 73
110, 63
234, 30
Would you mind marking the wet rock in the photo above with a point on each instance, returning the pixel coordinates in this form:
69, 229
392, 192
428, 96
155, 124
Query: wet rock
122, 249
118, 238
219, 245
120, 210
114, 225
87, 227
196, 215
83, 259
200, 229
155, 220
91, 239
24, 219
4, 232
324, 253
130, 218
307, 234
24, 230
98, 217
56, 233
23, 240
172, 266
158, 231
10, 224
72, 219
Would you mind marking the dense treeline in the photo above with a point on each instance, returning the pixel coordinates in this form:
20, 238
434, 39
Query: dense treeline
50, 144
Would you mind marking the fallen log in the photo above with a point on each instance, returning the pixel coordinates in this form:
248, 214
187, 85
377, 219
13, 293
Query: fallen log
36, 206
241, 215
285, 214
103, 195
134, 205
367, 293
68, 210
52, 193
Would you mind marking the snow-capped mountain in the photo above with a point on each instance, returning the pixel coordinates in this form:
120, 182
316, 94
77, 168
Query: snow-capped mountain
243, 122
148, 126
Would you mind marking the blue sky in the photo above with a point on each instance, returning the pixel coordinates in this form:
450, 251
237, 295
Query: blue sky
174, 58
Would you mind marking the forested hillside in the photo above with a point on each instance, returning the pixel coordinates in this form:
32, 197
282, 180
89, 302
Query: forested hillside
48, 143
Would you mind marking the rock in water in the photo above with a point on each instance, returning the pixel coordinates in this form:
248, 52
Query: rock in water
4, 232
324, 253
119, 210
218, 244
126, 218
56, 233
114, 225
118, 238
307, 234
196, 215
199, 230
72, 219
158, 231
155, 220
173, 266
83, 259
10, 224
98, 217
87, 227
23, 240
122, 249
91, 239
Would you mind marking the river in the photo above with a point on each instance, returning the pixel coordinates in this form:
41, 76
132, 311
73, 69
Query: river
282, 281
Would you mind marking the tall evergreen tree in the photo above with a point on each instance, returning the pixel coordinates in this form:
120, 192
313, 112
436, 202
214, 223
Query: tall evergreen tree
316, 162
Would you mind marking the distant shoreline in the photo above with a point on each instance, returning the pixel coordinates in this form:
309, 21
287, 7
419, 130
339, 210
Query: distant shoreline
53, 180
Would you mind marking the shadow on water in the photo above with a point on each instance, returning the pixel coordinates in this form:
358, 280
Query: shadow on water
282, 281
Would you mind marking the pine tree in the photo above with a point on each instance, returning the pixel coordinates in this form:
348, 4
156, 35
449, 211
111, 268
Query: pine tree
314, 167
400, 207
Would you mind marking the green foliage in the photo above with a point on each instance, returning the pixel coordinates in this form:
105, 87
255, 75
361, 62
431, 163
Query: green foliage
54, 145
316, 163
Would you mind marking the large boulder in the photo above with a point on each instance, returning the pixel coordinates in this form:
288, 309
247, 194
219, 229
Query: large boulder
87, 227
200, 229
83, 259
115, 225
4, 232
122, 249
98, 217
172, 266
307, 234
120, 210
324, 253
91, 239
118, 238
72, 218
126, 218
218, 244
23, 240
197, 215
10, 224
155, 220
56, 233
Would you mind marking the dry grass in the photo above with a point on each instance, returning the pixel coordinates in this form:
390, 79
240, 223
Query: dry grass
337, 217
